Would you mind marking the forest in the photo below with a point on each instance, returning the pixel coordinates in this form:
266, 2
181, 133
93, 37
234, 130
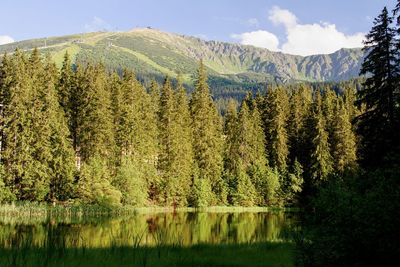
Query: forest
92, 136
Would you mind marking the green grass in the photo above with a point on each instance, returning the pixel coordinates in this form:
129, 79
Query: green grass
242, 255
32, 209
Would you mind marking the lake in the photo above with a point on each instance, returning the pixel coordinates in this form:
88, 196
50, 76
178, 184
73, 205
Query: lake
68, 239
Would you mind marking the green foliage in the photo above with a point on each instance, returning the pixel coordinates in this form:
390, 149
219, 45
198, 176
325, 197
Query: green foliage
131, 183
5, 193
379, 93
202, 193
354, 222
208, 144
344, 141
94, 186
276, 114
321, 160
104, 139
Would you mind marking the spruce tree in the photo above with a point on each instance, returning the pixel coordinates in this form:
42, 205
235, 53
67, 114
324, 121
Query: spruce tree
321, 159
61, 156
26, 177
343, 140
208, 144
231, 154
276, 123
244, 193
95, 138
300, 102
379, 122
65, 85
136, 134
167, 133
183, 142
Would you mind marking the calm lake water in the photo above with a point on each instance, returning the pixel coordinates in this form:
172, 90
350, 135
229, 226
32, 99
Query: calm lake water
182, 228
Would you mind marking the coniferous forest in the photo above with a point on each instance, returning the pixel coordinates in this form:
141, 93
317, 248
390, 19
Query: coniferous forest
94, 136
85, 134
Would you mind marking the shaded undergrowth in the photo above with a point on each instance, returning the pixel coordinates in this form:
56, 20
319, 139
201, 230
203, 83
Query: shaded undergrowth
201, 255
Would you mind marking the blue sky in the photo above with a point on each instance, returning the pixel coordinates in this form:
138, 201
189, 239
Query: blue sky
282, 25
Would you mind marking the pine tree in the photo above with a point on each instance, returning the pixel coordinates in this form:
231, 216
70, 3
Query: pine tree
95, 137
349, 98
65, 85
343, 140
300, 102
61, 156
231, 154
183, 142
244, 193
26, 177
321, 159
167, 135
276, 123
379, 122
136, 133
329, 102
208, 144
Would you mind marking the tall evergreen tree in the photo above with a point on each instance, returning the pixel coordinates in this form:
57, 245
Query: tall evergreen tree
170, 153
61, 156
380, 120
208, 144
95, 137
66, 84
183, 142
276, 122
244, 192
136, 140
343, 140
321, 159
27, 178
300, 102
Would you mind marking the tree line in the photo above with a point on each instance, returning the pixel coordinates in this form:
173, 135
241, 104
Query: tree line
101, 137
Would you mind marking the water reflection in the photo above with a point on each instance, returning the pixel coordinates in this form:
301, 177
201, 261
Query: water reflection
182, 228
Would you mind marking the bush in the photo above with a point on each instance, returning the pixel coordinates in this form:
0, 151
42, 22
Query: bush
131, 184
94, 186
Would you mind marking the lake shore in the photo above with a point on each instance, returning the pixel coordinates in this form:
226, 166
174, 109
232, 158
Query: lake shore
27, 209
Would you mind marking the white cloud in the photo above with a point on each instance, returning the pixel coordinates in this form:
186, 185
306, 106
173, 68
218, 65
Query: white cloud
301, 39
282, 16
98, 24
258, 38
5, 39
309, 39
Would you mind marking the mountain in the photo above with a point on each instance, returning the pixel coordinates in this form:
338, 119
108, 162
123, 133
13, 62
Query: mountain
154, 54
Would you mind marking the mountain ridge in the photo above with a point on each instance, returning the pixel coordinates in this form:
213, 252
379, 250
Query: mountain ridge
151, 52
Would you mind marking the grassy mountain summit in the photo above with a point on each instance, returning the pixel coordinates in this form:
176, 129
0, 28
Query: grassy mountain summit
153, 53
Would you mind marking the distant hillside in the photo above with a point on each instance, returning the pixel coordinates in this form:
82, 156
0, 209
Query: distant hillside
232, 67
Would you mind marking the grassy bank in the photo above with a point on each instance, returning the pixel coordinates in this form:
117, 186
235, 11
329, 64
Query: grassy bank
29, 209
244, 255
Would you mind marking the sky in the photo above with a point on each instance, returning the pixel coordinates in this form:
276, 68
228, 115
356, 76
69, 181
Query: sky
301, 27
